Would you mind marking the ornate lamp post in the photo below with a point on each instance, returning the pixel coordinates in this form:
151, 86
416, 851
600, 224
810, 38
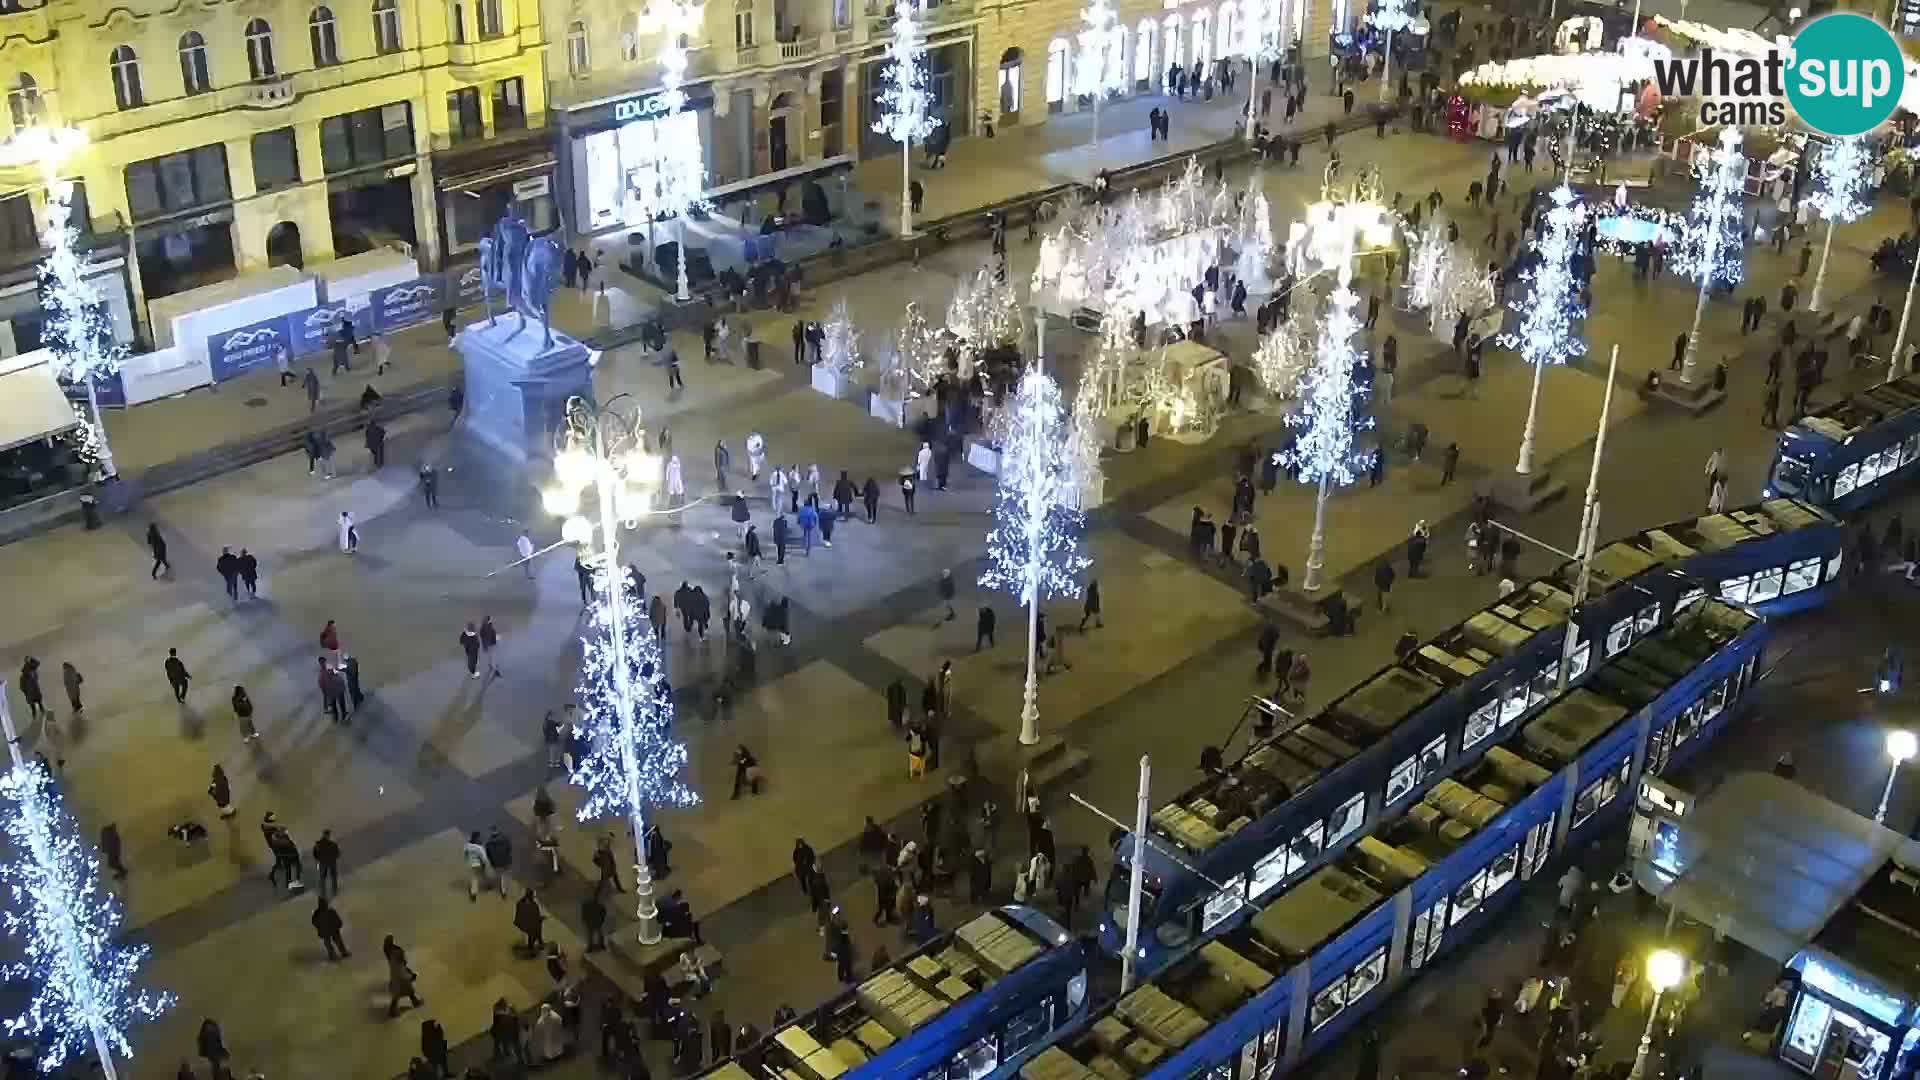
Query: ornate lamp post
684, 179
1902, 745
1665, 969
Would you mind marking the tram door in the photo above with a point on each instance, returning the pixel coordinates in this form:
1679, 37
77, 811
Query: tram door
1657, 811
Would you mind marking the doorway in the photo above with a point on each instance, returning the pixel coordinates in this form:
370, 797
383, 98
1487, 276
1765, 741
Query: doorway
1010, 86
283, 246
777, 131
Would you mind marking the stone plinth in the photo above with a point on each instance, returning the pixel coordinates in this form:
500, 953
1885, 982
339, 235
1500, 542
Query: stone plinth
517, 386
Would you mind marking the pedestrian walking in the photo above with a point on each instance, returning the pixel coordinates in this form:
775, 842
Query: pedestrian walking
722, 460
327, 924
607, 865
157, 544
30, 688
400, 977
110, 848
221, 792
213, 1048
474, 854
349, 535
433, 1037
326, 858
228, 567
489, 642
1449, 463
946, 589
470, 647
870, 496
528, 919
71, 678
178, 677
1091, 606
311, 384
593, 916
249, 573
1383, 584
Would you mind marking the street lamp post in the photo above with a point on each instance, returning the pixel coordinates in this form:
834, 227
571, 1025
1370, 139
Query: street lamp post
1906, 312
675, 19
1723, 177
605, 449
1902, 745
1665, 968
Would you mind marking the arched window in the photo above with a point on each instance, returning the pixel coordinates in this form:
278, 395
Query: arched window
743, 24
491, 22
1143, 53
126, 78
1057, 75
386, 26
259, 49
579, 61
630, 37
1010, 88
326, 39
23, 101
193, 63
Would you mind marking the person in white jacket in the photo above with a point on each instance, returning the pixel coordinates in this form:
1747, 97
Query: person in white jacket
349, 537
756, 455
778, 483
676, 482
549, 1035
923, 464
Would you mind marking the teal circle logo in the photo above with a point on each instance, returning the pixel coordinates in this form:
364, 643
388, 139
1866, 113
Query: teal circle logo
1845, 75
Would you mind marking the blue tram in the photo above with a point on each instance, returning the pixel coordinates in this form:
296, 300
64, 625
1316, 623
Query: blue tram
975, 1002
1321, 955
1294, 800
1852, 453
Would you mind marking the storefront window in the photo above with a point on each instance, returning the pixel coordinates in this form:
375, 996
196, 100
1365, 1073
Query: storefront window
276, 161
623, 174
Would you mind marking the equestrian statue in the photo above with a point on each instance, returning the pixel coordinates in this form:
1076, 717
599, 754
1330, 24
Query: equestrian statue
523, 266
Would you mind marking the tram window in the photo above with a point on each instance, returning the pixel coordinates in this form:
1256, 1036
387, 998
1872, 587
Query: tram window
1803, 574
1369, 974
1481, 724
1848, 479
1647, 621
1223, 903
1270, 871
1717, 698
1685, 724
1910, 449
1222, 1071
1328, 1003
1878, 465
1540, 844
1513, 704
1766, 584
975, 1061
1690, 598
1734, 590
1306, 847
1349, 816
1428, 926
1833, 564
1582, 656
1466, 898
1249, 1058
1505, 866
1592, 797
1542, 686
1619, 636
1269, 1050
1401, 780
1433, 757
1028, 1028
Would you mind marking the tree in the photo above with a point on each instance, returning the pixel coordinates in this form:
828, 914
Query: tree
1099, 71
1328, 417
1551, 311
81, 981
1427, 261
1033, 549
984, 313
1283, 356
1711, 245
1840, 182
77, 329
905, 100
631, 762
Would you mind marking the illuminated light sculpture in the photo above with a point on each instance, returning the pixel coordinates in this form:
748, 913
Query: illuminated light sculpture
682, 176
1263, 44
1284, 355
1711, 246
1388, 16
81, 981
77, 328
1551, 310
1839, 194
1099, 71
1033, 549
840, 340
631, 762
985, 313
905, 99
1426, 262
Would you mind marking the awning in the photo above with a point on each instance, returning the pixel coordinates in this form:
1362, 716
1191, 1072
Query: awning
534, 165
1768, 863
747, 189
32, 405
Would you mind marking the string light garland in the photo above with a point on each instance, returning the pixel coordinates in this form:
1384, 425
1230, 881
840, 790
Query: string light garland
1551, 311
906, 101
1330, 400
679, 170
1710, 248
77, 328
81, 980
1033, 549
1839, 187
840, 340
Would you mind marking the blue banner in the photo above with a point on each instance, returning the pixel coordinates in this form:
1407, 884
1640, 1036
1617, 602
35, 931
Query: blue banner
107, 389
312, 330
403, 305
249, 348
463, 285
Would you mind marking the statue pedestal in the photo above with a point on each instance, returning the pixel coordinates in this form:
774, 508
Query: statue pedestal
517, 386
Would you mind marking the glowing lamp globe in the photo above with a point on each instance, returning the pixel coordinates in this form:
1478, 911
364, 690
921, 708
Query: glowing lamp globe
560, 501
573, 467
577, 530
1665, 968
629, 503
1902, 745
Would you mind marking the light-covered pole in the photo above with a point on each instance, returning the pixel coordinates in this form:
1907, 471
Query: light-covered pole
1711, 247
1388, 16
905, 99
1894, 362
1264, 34
1091, 75
1551, 310
685, 186
1137, 880
1840, 182
1589, 530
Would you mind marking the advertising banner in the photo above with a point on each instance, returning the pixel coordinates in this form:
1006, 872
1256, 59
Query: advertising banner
312, 330
107, 389
249, 348
463, 285
403, 305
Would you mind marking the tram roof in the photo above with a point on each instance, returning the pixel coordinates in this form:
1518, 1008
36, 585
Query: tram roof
1667, 544
1856, 412
1210, 983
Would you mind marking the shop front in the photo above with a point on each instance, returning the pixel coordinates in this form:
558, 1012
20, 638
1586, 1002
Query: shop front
611, 153
1842, 1026
479, 188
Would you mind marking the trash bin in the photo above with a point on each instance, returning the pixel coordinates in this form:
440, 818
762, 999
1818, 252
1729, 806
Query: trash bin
90, 510
753, 353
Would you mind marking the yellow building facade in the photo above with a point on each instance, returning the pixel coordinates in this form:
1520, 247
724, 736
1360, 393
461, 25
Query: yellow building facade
226, 137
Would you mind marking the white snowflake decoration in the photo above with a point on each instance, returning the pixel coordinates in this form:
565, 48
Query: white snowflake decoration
1551, 311
1329, 414
1840, 181
1033, 549
840, 344
1283, 356
632, 761
906, 102
1710, 248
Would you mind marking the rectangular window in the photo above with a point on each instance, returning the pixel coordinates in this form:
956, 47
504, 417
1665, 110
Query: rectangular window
1541, 688
1270, 1050
1717, 698
1513, 703
1427, 929
1833, 565
1370, 973
832, 84
276, 161
1803, 574
1766, 585
182, 181
1404, 776
1269, 872
463, 115
1909, 449
743, 28
1506, 866
1328, 1004
1734, 590
1433, 757
1466, 898
1539, 844
1600, 793
975, 1061
368, 137
1224, 903
1305, 848
16, 225
1577, 663
1647, 621
1687, 722
1028, 1028
1483, 722
1347, 818
1848, 479
1619, 636
509, 105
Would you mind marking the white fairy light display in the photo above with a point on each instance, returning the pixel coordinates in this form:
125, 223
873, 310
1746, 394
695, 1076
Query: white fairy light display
680, 172
1324, 453
905, 98
77, 330
1551, 311
1283, 356
919, 348
840, 341
1098, 71
1426, 262
985, 312
1262, 41
79, 981
1710, 248
1033, 549
1389, 16
1466, 287
1839, 194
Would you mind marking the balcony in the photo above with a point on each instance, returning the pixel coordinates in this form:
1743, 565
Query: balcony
799, 49
880, 16
270, 93
746, 56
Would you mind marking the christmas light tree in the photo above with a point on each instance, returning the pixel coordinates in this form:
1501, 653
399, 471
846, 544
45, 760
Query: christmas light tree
1329, 415
632, 762
1263, 42
77, 330
1711, 245
679, 171
905, 100
840, 340
1465, 288
1283, 356
1839, 194
1426, 261
919, 349
1551, 310
984, 313
1033, 549
80, 981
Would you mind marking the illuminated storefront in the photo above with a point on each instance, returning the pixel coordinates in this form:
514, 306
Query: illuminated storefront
612, 155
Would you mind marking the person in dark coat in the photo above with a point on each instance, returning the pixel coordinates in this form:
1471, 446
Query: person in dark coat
983, 627
1092, 607
228, 566
593, 916
527, 918
896, 704
178, 677
327, 924
30, 688
433, 1047
803, 866
870, 495
158, 545
249, 573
